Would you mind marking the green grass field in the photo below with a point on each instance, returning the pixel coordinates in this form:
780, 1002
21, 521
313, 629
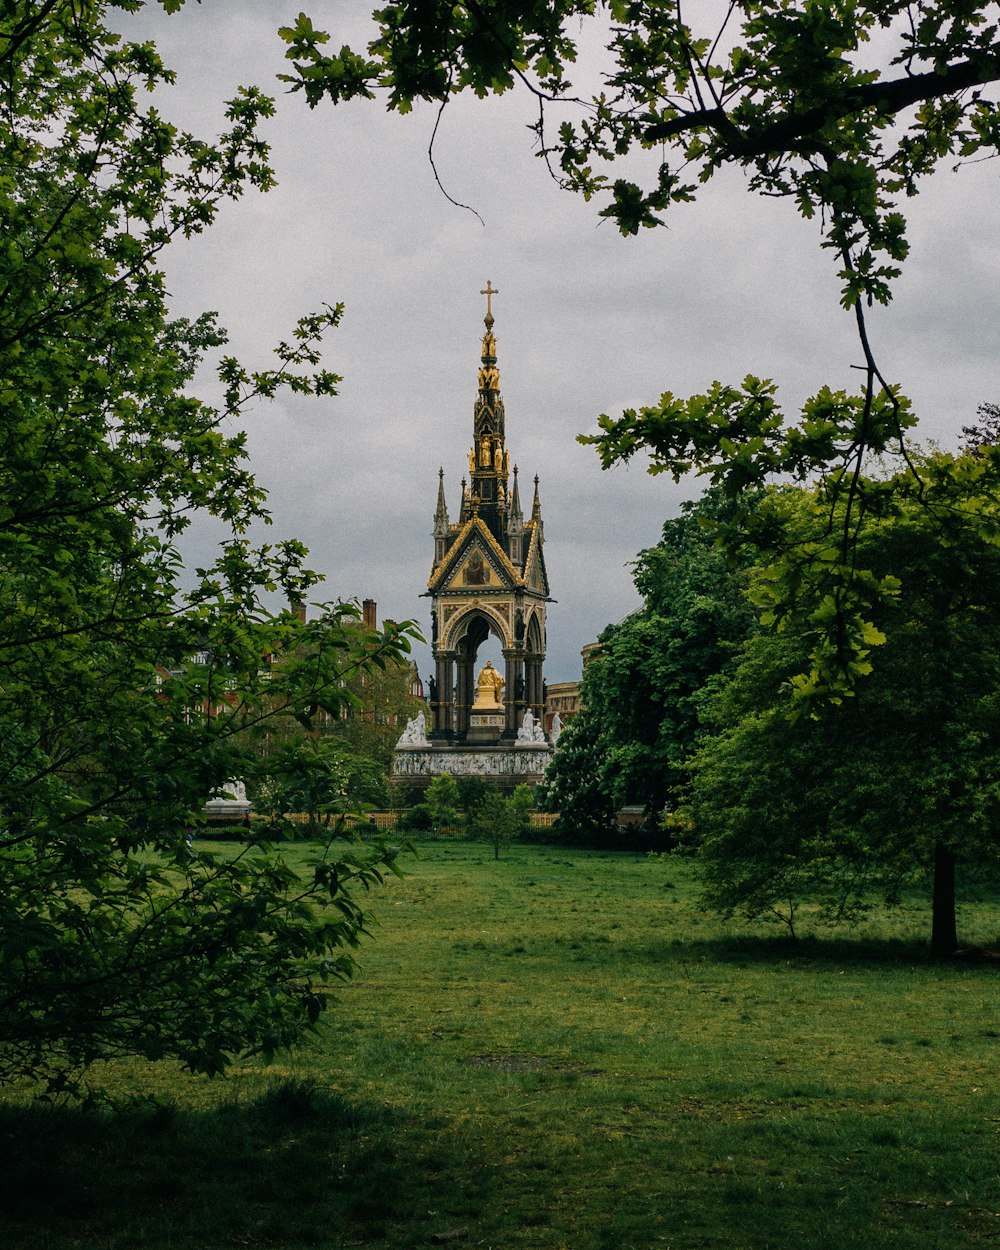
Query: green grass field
559, 1050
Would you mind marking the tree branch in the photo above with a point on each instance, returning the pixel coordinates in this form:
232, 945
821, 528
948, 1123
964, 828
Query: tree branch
888, 97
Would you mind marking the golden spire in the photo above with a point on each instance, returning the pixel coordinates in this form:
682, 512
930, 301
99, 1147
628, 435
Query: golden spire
487, 460
489, 374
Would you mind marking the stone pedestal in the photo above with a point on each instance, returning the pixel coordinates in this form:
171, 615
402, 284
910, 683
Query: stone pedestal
504, 767
485, 727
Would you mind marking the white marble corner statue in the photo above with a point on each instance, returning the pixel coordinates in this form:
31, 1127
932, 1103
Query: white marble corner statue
231, 800
415, 733
531, 731
556, 729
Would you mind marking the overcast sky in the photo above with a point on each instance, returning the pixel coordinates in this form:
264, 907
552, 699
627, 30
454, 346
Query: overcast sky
586, 321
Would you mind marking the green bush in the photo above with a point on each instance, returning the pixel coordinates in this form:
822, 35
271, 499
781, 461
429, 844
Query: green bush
420, 818
442, 798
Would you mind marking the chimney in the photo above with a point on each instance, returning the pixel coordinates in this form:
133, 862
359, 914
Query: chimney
369, 609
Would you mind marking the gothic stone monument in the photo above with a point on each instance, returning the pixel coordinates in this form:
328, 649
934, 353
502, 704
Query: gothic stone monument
488, 578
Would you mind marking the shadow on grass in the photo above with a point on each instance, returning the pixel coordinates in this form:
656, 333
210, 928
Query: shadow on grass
821, 953
300, 1167
297, 1167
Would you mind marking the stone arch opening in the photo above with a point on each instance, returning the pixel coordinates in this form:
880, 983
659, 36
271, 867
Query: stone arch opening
478, 640
534, 658
479, 711
473, 627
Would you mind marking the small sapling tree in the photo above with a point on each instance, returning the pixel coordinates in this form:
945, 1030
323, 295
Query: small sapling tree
495, 820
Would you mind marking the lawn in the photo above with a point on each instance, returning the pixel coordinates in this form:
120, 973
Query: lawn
560, 1050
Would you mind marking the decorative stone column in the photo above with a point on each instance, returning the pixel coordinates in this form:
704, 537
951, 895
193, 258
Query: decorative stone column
464, 694
533, 682
513, 705
443, 707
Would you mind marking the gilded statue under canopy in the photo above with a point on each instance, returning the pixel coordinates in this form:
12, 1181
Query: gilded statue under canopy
488, 688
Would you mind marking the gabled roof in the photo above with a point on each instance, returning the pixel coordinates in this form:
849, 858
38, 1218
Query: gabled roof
535, 577
474, 532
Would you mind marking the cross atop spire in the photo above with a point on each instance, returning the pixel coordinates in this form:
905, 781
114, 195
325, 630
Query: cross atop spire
489, 291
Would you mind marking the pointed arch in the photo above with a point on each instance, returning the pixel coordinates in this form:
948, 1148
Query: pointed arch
473, 625
534, 633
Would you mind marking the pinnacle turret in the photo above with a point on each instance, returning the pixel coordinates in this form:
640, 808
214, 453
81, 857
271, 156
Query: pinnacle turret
441, 512
536, 509
440, 521
515, 525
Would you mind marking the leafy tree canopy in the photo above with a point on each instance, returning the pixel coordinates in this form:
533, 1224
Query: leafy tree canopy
382, 705
573, 787
841, 108
641, 693
128, 686
319, 777
893, 787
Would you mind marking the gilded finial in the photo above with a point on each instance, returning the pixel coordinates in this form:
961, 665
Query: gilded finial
489, 374
489, 291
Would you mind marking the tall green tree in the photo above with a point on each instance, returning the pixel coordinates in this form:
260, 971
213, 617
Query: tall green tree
896, 787
842, 109
347, 747
640, 694
127, 684
575, 788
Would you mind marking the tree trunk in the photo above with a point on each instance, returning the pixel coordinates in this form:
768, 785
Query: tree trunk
944, 931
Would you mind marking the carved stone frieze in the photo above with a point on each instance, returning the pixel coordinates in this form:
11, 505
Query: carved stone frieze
517, 762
